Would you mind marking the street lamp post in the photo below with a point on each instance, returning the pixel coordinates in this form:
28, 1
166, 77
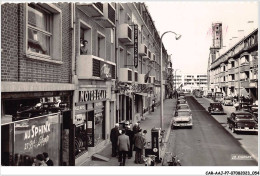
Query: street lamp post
177, 37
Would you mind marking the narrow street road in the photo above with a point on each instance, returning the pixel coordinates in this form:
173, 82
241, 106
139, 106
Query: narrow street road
207, 143
249, 141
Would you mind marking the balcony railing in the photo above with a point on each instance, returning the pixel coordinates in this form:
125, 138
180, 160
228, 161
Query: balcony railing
245, 84
223, 84
245, 67
231, 71
231, 83
93, 67
237, 84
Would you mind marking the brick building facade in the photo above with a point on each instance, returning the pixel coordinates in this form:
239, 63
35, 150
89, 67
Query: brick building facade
68, 71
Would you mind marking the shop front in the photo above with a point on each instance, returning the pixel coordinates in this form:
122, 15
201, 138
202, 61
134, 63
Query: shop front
33, 123
89, 121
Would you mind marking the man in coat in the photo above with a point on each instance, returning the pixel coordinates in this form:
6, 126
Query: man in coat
136, 128
123, 144
130, 133
113, 138
139, 143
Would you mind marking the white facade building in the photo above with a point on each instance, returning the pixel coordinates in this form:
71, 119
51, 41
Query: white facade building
189, 82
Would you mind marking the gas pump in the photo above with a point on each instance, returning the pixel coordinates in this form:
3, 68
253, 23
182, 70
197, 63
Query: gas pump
156, 137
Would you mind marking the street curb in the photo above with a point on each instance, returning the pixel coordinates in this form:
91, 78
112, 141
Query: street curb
166, 140
163, 150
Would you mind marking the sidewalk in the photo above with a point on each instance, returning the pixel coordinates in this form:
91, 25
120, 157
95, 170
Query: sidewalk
151, 120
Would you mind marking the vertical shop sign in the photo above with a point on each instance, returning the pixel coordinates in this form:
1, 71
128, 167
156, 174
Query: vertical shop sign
136, 45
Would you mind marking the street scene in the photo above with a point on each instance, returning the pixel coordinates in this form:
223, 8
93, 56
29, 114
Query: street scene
129, 84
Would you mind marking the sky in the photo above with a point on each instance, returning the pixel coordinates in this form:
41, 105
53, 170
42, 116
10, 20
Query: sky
193, 20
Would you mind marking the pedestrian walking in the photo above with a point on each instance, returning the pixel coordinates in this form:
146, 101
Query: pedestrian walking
113, 138
130, 134
139, 143
123, 144
48, 161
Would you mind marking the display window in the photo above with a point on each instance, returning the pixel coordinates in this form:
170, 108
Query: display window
29, 107
30, 137
95, 123
99, 126
81, 138
7, 135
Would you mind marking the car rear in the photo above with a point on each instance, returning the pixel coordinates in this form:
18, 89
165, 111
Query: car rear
246, 126
217, 109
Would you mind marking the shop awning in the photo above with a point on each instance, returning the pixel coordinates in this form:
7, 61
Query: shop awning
142, 94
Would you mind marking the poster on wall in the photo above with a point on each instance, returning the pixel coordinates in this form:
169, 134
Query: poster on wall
90, 128
35, 136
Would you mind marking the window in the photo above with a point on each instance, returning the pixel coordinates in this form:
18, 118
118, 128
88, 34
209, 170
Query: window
39, 33
101, 49
232, 64
43, 36
85, 34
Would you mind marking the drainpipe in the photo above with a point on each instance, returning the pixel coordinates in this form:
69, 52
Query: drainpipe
73, 27
73, 79
116, 61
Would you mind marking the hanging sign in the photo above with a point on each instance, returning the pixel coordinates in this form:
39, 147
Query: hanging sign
136, 45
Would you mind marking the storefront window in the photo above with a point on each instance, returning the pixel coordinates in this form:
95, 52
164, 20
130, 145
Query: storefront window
7, 132
99, 129
35, 136
24, 108
81, 136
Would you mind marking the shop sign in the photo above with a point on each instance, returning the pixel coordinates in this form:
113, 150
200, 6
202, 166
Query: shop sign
82, 107
106, 70
38, 135
92, 95
136, 45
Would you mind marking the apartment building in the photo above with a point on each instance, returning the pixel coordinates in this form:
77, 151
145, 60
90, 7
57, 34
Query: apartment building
73, 70
189, 82
36, 66
235, 72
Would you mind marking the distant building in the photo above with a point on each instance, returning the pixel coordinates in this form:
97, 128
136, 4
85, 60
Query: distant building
189, 82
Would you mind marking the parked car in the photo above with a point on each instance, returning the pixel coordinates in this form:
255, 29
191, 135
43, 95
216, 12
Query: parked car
182, 106
209, 95
242, 121
198, 95
227, 101
215, 108
181, 97
181, 101
243, 106
253, 109
182, 118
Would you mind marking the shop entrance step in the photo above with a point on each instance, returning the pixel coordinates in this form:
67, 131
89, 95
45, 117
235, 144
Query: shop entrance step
100, 157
